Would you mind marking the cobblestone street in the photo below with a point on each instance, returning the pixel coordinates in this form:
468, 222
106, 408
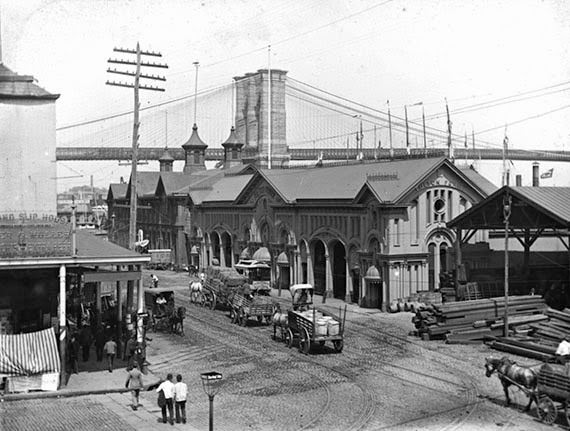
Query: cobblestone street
383, 379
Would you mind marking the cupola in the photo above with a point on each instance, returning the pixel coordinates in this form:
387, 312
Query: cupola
166, 161
194, 153
232, 150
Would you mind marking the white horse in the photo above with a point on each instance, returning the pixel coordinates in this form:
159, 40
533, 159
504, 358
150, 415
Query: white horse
195, 291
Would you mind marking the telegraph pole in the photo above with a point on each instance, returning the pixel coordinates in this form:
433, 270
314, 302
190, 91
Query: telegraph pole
136, 85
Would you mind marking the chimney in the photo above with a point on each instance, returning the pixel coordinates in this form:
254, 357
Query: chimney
535, 177
518, 180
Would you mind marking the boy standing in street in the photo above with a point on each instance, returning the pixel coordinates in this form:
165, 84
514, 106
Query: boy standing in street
110, 349
180, 393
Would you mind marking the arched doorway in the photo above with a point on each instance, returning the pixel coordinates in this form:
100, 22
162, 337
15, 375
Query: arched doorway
284, 279
373, 294
438, 245
339, 270
216, 248
303, 255
319, 267
226, 242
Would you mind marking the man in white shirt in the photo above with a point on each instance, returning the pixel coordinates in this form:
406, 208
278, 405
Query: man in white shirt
168, 387
180, 394
563, 351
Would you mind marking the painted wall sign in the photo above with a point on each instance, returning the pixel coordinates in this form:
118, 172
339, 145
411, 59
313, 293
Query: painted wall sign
27, 237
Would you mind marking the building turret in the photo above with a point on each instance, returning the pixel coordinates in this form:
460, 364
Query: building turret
232, 150
194, 153
166, 161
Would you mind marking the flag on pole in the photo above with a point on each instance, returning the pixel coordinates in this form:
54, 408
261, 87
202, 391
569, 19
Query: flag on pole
547, 174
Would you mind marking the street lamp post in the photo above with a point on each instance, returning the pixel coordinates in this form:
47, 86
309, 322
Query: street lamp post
211, 383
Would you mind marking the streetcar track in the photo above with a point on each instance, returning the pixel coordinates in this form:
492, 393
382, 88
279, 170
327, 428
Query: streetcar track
367, 407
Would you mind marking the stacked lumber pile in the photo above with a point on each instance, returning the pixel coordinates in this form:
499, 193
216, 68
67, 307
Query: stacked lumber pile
416, 301
543, 339
472, 321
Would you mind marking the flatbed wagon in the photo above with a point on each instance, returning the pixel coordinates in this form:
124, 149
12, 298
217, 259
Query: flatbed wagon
246, 306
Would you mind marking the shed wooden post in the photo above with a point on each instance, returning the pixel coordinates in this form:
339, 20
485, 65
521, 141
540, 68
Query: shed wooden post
458, 257
140, 308
119, 315
62, 326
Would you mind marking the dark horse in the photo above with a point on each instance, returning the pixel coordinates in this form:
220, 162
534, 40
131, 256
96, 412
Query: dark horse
177, 321
510, 373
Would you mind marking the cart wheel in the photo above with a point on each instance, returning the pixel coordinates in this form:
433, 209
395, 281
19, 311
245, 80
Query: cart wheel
338, 345
213, 301
546, 410
202, 299
242, 318
567, 412
289, 338
304, 342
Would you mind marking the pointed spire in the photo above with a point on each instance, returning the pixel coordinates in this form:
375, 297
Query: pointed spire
195, 142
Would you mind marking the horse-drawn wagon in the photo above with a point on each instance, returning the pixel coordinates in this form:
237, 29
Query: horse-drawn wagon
553, 392
246, 304
220, 286
308, 325
162, 313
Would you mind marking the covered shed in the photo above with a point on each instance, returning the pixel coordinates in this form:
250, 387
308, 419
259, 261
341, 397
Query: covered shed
532, 212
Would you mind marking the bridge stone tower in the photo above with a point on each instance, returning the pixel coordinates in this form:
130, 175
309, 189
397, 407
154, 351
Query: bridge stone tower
252, 120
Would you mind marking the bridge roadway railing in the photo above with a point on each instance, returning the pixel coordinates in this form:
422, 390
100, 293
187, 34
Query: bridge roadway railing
124, 154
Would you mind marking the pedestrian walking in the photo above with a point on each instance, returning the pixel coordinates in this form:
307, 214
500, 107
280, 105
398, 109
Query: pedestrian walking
130, 348
85, 339
154, 280
110, 349
135, 384
99, 343
168, 389
180, 394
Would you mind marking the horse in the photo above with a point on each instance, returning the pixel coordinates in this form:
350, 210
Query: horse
195, 291
177, 321
510, 373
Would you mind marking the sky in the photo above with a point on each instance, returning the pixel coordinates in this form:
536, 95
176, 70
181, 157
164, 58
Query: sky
501, 64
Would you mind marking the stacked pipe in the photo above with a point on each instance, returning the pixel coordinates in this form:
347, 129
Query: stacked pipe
472, 321
542, 339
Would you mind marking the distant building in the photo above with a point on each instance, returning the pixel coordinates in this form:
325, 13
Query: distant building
27, 165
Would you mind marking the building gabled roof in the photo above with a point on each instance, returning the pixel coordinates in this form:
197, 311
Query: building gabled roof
479, 180
147, 183
531, 207
226, 189
392, 184
117, 191
14, 86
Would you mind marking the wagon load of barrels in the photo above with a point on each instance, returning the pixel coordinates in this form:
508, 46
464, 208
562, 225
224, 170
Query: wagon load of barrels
416, 301
323, 324
472, 321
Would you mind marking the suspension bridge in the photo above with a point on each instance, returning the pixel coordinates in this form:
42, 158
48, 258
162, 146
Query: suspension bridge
319, 124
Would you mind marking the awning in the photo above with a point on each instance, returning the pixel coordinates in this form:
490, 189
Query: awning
29, 354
